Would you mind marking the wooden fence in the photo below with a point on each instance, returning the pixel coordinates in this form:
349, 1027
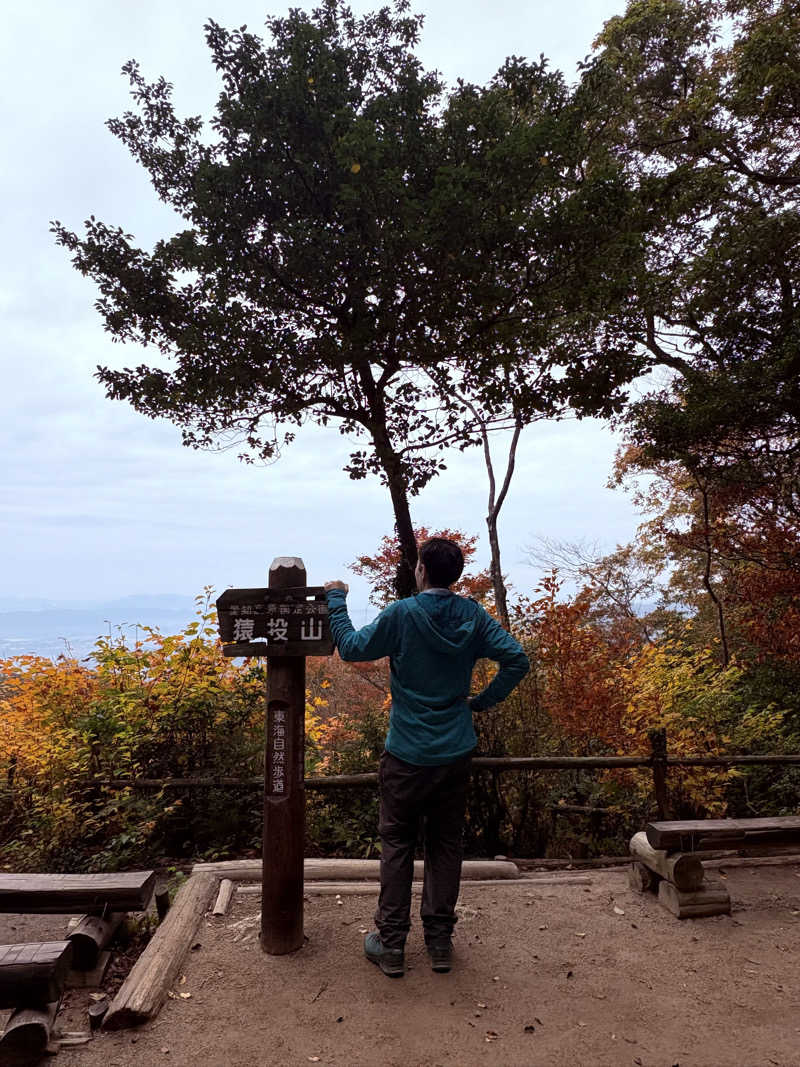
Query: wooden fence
658, 762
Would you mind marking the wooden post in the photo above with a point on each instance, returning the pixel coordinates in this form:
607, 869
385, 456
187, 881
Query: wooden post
658, 743
284, 794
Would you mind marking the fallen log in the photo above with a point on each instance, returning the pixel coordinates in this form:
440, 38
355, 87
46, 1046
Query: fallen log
339, 870
91, 936
373, 888
146, 987
27, 1034
790, 859
683, 869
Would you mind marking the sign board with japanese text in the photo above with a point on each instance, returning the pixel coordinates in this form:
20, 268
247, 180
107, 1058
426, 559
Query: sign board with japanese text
275, 622
285, 622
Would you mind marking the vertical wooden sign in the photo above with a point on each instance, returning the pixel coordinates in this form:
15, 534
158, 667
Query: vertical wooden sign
285, 623
284, 792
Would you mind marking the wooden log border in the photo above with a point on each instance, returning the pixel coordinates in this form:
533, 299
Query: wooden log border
145, 989
143, 986
345, 870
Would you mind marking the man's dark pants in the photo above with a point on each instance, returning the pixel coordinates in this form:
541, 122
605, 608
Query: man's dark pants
435, 796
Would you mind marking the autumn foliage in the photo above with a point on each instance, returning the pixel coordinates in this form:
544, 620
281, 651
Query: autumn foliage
603, 677
380, 569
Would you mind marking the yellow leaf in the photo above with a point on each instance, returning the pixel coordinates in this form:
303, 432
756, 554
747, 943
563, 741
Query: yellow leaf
355, 168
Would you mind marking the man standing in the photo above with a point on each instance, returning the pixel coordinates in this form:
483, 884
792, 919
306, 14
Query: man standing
433, 641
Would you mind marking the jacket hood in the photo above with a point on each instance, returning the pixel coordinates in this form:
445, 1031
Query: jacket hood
443, 622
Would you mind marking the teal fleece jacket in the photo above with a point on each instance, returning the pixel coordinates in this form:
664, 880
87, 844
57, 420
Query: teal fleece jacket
433, 642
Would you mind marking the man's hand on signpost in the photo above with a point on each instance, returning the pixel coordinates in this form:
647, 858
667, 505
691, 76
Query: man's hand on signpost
336, 585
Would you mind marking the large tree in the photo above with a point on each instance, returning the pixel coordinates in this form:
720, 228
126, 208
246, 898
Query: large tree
701, 100
363, 248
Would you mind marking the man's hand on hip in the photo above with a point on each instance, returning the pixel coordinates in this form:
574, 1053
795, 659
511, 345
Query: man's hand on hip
336, 585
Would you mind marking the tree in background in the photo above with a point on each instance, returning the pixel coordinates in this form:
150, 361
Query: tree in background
702, 101
379, 570
363, 249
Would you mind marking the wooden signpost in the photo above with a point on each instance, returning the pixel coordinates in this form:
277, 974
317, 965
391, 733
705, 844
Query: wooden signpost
285, 622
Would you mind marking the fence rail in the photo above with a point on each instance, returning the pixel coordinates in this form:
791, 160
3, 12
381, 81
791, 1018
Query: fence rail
496, 763
658, 763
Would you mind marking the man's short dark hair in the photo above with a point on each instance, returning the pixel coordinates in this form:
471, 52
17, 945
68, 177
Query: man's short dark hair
443, 561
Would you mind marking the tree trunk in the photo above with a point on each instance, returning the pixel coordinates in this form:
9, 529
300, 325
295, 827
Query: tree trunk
405, 582
495, 504
723, 635
392, 466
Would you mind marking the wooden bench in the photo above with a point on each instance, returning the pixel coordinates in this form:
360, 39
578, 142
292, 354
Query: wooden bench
696, 835
664, 858
94, 894
33, 973
32, 978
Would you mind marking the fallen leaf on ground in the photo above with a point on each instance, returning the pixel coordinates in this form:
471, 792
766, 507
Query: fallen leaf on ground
492, 1035
618, 911
580, 935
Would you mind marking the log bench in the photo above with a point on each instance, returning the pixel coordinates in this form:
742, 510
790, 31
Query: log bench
696, 835
664, 858
94, 894
32, 978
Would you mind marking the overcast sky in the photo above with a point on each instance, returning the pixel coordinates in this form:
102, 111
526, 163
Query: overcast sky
99, 502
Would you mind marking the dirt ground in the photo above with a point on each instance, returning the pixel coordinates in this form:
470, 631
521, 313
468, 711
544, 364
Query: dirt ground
548, 974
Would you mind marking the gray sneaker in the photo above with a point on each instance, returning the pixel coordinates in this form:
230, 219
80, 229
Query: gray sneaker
390, 960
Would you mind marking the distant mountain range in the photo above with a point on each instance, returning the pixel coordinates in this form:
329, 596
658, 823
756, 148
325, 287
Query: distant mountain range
53, 628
